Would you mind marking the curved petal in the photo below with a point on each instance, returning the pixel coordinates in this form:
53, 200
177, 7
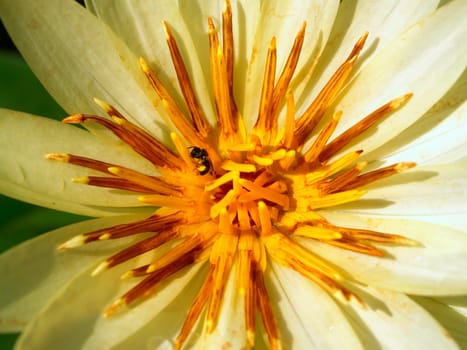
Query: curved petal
283, 20
147, 323
450, 317
158, 332
394, 321
429, 190
425, 60
456, 221
34, 270
436, 138
26, 139
139, 24
308, 317
436, 267
73, 318
383, 20
77, 58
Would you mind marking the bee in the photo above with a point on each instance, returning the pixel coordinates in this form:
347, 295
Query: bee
201, 157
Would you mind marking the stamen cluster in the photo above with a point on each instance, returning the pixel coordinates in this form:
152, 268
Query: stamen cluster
234, 198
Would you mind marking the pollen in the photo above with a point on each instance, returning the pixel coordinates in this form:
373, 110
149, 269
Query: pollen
237, 199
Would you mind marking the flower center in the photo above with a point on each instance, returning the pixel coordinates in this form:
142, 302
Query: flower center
232, 197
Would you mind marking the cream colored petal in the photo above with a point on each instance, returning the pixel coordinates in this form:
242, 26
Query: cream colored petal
283, 20
454, 221
436, 138
23, 194
139, 24
383, 20
451, 317
394, 321
308, 317
77, 58
25, 140
427, 190
147, 324
35, 270
74, 316
425, 60
436, 267
161, 329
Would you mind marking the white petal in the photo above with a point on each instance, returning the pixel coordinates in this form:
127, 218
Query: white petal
139, 24
147, 323
436, 138
436, 267
74, 318
283, 20
382, 19
426, 60
308, 317
450, 317
161, 329
77, 58
394, 321
26, 139
457, 221
34, 270
429, 190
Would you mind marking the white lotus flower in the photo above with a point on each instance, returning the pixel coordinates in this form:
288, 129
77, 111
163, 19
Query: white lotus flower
228, 176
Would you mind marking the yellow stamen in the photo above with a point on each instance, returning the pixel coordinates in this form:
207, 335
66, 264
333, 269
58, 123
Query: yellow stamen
289, 121
332, 168
315, 150
242, 147
182, 149
334, 199
288, 160
226, 178
264, 121
223, 203
262, 161
239, 167
265, 193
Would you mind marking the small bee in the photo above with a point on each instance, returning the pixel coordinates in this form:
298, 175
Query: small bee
201, 157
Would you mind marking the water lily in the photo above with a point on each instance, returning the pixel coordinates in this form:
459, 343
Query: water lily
264, 174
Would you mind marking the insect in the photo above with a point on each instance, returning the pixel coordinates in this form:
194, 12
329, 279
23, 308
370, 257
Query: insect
201, 157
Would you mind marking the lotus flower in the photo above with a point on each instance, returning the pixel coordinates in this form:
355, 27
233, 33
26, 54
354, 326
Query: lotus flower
277, 174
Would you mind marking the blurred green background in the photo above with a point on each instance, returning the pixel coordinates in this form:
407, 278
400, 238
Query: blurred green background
20, 90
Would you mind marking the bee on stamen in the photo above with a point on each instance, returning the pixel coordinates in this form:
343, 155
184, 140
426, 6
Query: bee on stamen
201, 158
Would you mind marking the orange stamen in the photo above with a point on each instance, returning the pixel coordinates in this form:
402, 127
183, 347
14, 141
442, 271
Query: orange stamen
378, 174
197, 115
352, 133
